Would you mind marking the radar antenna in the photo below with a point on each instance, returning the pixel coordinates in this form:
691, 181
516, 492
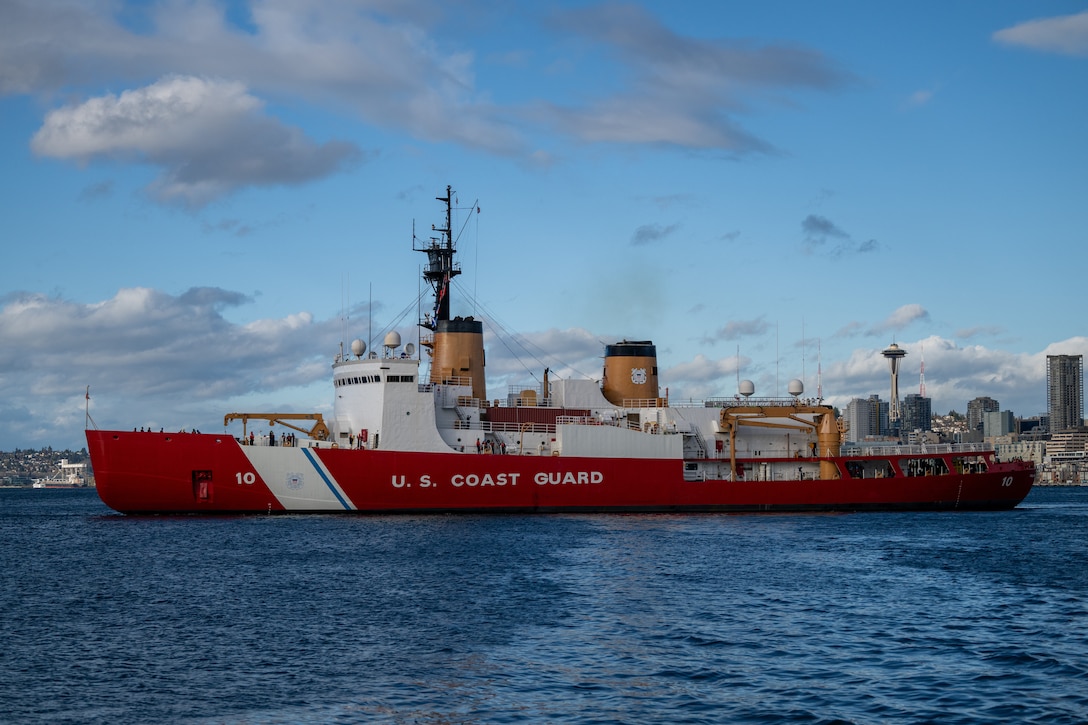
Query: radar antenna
440, 269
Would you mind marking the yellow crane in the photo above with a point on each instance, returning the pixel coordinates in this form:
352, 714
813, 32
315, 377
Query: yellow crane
319, 431
829, 431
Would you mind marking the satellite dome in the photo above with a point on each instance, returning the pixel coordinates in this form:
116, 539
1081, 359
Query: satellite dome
392, 339
746, 388
358, 347
410, 348
796, 387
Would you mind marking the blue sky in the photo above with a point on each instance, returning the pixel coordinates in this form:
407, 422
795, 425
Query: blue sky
202, 199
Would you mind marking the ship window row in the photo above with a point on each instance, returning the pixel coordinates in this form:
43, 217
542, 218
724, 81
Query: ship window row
360, 379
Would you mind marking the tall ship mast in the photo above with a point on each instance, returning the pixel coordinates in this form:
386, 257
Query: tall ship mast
456, 345
440, 269
405, 436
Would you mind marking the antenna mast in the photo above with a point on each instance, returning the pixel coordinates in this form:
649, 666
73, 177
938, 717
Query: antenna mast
803, 351
922, 375
738, 367
89, 421
440, 267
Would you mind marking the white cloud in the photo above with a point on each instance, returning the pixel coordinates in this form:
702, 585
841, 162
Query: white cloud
968, 332
388, 64
149, 357
209, 138
375, 60
737, 329
171, 361
1064, 34
899, 319
518, 358
46, 45
954, 374
701, 370
681, 91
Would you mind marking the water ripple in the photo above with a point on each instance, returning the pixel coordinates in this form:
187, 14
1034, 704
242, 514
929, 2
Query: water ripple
951, 618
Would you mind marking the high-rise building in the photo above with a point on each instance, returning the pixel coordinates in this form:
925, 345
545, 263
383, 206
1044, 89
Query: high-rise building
882, 411
1064, 391
860, 421
917, 413
866, 418
998, 423
976, 408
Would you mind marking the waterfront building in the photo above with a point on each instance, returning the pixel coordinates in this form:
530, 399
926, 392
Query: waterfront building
921, 437
1066, 457
1031, 426
859, 420
866, 418
975, 409
882, 408
997, 423
1068, 442
917, 413
1064, 391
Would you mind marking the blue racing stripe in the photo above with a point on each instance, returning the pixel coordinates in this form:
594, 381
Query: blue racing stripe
320, 472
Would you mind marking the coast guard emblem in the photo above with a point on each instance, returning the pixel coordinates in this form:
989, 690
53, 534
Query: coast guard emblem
295, 481
638, 376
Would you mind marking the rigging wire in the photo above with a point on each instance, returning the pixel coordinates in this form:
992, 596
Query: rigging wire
475, 205
399, 318
513, 354
540, 355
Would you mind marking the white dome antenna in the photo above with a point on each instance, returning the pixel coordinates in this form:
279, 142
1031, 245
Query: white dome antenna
391, 342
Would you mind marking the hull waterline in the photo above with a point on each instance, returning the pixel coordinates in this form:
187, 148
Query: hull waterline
206, 473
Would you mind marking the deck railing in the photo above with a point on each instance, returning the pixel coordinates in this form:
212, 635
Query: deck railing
916, 450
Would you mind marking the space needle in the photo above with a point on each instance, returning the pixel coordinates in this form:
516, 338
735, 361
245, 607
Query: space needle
894, 353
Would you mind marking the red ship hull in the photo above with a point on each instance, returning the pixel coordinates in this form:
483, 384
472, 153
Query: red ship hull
205, 473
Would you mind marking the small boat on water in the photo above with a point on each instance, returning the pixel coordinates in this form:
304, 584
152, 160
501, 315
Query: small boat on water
68, 475
414, 435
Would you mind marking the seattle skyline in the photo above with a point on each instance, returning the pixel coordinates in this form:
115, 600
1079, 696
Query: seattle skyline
203, 200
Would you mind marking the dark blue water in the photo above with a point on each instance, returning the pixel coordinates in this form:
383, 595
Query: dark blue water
951, 618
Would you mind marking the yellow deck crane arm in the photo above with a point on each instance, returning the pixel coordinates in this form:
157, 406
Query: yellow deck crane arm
318, 431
